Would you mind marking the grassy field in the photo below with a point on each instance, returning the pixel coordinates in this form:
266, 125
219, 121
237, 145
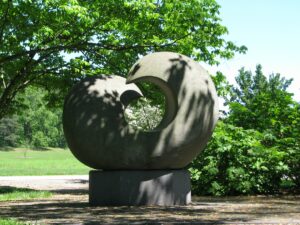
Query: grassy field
23, 162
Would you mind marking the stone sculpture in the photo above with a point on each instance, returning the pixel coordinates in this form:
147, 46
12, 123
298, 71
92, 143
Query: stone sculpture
99, 136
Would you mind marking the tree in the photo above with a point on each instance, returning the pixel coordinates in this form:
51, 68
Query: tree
264, 104
256, 147
37, 126
142, 114
261, 103
107, 37
42, 127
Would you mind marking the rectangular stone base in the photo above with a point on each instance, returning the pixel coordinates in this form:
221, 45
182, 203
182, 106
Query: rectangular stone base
139, 187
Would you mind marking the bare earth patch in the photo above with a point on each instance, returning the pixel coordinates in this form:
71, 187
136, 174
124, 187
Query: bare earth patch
69, 205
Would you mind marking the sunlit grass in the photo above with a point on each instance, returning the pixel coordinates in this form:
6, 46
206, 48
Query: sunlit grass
11, 222
13, 193
22, 161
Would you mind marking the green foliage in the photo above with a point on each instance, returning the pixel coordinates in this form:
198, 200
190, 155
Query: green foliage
222, 85
236, 162
39, 140
10, 130
255, 148
291, 147
37, 126
106, 37
261, 103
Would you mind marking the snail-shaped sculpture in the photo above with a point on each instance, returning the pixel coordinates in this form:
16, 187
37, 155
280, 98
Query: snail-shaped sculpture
99, 136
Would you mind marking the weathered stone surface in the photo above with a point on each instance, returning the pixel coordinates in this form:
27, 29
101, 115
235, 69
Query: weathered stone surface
99, 136
139, 187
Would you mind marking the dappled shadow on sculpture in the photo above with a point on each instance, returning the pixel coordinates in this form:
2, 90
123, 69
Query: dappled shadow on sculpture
99, 136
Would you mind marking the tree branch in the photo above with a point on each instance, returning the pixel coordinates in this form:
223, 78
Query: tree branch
84, 47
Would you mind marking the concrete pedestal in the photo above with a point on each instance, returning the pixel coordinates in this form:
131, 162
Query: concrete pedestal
139, 187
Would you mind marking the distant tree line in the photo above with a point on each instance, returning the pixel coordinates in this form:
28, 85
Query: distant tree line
35, 125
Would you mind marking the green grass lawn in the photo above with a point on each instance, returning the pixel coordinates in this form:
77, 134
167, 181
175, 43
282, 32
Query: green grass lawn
13, 193
11, 222
23, 162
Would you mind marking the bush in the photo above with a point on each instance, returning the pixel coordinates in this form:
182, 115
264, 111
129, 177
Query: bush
236, 162
39, 140
291, 146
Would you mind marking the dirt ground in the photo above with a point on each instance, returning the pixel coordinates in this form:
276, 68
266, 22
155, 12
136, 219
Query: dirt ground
69, 205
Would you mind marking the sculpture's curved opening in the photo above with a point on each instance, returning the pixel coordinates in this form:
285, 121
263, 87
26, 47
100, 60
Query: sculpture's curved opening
146, 113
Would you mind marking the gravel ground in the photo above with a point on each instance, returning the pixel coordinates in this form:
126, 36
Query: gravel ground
69, 205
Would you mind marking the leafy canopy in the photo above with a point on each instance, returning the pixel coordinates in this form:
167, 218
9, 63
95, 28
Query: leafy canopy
105, 37
262, 103
256, 147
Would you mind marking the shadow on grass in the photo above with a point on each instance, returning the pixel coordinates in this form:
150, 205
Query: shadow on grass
81, 212
6, 149
282, 199
75, 191
70, 191
204, 210
80, 181
5, 190
74, 209
42, 149
10, 189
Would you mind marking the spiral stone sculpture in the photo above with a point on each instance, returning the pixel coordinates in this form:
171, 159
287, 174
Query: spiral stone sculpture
99, 136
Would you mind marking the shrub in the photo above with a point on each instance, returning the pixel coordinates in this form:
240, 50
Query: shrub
236, 162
